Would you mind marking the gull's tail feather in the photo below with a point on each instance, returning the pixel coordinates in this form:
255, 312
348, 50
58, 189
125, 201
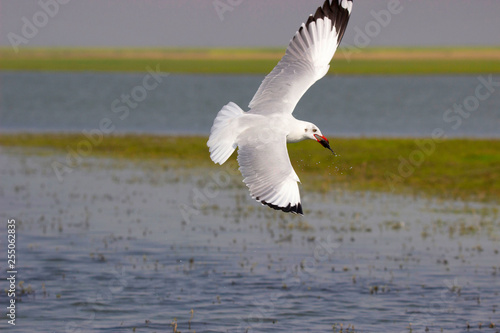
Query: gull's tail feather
222, 141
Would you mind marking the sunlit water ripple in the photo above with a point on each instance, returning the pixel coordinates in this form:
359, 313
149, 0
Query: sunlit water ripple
109, 250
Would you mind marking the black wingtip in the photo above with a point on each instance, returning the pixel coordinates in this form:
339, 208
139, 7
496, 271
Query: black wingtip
295, 209
336, 12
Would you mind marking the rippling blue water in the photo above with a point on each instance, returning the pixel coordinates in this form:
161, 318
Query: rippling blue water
342, 106
119, 246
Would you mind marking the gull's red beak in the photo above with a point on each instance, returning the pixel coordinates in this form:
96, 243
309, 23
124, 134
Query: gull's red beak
324, 142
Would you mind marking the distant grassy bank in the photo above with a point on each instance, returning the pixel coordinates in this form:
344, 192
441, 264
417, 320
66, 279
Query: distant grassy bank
452, 169
367, 61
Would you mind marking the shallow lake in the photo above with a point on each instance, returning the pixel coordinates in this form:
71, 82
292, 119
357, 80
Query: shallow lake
187, 104
122, 247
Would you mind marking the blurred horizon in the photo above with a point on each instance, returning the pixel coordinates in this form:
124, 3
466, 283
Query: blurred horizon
241, 23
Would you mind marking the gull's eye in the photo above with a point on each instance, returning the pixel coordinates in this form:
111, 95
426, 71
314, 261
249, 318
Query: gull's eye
306, 129
315, 130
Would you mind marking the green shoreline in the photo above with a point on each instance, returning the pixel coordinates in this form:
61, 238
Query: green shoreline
467, 169
347, 61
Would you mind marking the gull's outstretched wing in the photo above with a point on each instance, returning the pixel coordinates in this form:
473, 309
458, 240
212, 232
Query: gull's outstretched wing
267, 171
306, 59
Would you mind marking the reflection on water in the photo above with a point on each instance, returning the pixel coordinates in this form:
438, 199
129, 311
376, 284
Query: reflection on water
352, 105
119, 246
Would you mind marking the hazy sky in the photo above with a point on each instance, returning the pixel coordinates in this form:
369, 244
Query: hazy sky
167, 23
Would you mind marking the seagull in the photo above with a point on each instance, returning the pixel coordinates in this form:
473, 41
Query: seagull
262, 133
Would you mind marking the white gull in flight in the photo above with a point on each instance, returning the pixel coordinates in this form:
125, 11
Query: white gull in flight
262, 133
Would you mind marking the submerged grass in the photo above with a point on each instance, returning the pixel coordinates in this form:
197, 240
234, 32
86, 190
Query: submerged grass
368, 61
456, 169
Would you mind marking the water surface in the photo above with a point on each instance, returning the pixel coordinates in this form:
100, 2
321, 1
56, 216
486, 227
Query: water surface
119, 246
187, 104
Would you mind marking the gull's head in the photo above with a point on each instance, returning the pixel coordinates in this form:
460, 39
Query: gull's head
312, 132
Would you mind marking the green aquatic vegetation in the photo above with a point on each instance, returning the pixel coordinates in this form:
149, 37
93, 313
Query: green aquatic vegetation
458, 168
348, 61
